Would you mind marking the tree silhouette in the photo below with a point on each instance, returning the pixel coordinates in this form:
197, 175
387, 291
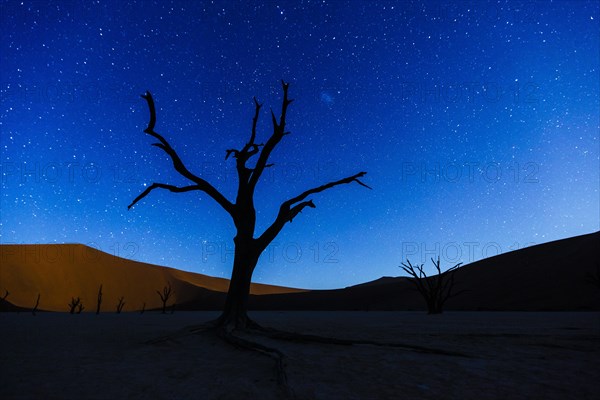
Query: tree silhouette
164, 296
99, 300
434, 289
36, 305
121, 304
74, 305
248, 245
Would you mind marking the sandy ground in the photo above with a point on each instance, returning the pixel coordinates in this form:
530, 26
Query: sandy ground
511, 356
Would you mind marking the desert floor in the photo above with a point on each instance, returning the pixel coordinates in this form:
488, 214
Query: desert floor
511, 356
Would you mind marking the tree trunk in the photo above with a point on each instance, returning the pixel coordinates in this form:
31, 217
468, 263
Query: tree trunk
235, 313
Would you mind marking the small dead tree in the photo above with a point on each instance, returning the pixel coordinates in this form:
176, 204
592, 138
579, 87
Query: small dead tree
120, 305
80, 308
143, 308
434, 289
35, 306
74, 304
164, 296
99, 301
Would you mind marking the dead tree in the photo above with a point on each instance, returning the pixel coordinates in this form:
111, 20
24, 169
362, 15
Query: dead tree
120, 305
434, 289
80, 308
143, 308
5, 295
74, 304
164, 296
248, 244
35, 306
99, 300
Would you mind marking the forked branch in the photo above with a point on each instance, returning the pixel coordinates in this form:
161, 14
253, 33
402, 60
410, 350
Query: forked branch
164, 296
291, 208
200, 184
278, 133
350, 179
435, 289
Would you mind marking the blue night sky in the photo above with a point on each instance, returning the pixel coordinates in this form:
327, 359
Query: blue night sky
477, 122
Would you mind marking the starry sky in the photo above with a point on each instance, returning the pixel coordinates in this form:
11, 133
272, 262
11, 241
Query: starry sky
477, 122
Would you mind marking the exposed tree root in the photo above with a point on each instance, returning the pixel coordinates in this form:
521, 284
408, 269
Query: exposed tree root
300, 337
231, 336
275, 354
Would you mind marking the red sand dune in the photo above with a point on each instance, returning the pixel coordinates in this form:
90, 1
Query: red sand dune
61, 271
549, 276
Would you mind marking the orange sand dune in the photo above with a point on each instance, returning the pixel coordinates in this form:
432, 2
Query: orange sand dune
61, 271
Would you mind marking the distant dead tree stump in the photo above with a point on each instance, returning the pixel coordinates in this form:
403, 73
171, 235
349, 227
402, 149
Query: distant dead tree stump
36, 305
99, 300
120, 304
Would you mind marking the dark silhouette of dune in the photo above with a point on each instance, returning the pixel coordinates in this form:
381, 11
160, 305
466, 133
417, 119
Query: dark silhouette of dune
546, 277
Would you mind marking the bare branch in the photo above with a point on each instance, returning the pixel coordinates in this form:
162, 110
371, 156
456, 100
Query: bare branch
230, 152
297, 209
177, 163
292, 207
257, 107
278, 133
435, 289
416, 279
302, 196
174, 189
